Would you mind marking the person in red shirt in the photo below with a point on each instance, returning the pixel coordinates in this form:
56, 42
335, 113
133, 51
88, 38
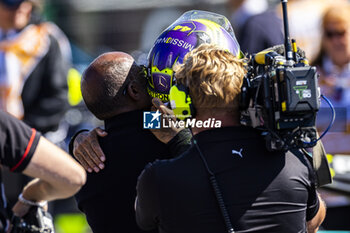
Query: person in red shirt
24, 150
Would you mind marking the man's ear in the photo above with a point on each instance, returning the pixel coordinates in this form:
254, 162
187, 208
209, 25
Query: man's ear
134, 91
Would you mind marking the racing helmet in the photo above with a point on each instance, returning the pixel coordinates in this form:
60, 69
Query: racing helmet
186, 33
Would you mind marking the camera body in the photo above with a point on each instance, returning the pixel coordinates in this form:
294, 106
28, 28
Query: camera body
281, 97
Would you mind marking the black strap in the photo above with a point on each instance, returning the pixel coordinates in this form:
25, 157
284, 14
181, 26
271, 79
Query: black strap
320, 164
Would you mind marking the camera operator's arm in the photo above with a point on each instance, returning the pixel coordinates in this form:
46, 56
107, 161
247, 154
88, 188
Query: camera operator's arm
316, 208
315, 222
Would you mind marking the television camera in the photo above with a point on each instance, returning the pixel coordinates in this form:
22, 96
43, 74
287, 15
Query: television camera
281, 96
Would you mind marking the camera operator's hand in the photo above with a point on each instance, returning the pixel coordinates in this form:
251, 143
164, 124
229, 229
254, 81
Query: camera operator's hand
164, 135
87, 150
20, 209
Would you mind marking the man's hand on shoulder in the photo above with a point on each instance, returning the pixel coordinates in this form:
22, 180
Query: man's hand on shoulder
87, 151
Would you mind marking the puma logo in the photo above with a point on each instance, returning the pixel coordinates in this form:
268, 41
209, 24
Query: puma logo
238, 152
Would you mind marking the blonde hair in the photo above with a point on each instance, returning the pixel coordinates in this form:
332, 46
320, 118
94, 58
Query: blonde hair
338, 14
214, 77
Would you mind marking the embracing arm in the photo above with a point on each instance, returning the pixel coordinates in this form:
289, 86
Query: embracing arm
180, 143
86, 149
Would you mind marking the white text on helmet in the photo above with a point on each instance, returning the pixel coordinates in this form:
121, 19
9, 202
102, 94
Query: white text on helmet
177, 42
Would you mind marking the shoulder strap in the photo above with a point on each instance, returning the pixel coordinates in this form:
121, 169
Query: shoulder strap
320, 164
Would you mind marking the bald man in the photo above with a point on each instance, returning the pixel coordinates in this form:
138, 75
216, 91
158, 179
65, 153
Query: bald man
114, 84
114, 90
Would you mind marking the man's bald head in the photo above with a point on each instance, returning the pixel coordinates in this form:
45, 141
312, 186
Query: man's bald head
104, 82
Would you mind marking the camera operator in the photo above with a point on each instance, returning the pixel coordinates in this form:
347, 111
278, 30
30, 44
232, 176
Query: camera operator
24, 150
255, 190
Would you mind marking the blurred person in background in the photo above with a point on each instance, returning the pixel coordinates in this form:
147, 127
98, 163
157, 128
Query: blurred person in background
263, 28
35, 58
261, 31
305, 18
242, 10
333, 63
34, 62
